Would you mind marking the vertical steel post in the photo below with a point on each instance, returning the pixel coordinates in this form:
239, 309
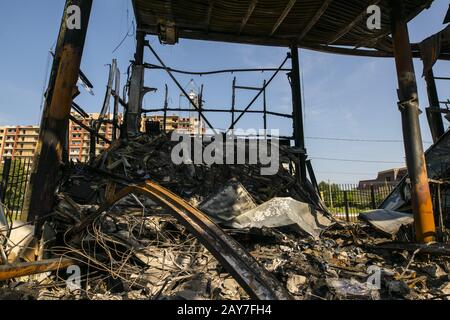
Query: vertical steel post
55, 118
331, 195
347, 208
200, 107
92, 140
166, 104
409, 107
265, 108
434, 118
297, 110
372, 197
233, 103
133, 113
116, 101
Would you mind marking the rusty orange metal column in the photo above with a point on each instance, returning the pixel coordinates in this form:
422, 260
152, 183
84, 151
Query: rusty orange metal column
409, 107
55, 119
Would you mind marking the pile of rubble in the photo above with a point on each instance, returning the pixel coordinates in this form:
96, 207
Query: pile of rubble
137, 249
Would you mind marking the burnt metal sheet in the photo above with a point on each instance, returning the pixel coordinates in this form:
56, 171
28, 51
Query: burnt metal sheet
438, 167
387, 221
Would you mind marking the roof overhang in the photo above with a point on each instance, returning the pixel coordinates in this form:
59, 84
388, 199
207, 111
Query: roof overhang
338, 26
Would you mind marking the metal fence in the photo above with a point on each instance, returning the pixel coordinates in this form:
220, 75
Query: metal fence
14, 175
346, 201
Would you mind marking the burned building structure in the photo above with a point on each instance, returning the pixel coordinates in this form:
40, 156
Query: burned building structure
215, 204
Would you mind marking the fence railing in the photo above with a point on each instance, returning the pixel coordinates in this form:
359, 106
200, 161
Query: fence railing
14, 175
346, 201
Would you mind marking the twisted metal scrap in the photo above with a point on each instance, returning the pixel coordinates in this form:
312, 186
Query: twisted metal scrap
253, 278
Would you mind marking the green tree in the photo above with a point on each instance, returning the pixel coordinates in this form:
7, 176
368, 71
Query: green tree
16, 185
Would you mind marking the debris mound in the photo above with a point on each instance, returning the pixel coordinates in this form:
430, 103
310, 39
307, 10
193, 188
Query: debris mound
138, 249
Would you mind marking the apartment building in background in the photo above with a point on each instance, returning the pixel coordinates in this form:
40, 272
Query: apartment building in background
390, 176
188, 125
19, 142
79, 138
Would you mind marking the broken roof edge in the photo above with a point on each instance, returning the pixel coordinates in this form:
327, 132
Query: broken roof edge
193, 33
339, 50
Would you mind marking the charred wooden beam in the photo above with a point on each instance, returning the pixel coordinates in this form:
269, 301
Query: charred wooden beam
17, 270
88, 129
314, 19
352, 24
247, 15
283, 16
168, 5
209, 14
55, 118
133, 113
297, 112
409, 107
434, 118
116, 102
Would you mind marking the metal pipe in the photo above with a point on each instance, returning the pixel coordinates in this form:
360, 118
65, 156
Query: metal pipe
179, 85
153, 66
259, 93
409, 107
55, 118
88, 129
441, 78
284, 115
248, 88
79, 110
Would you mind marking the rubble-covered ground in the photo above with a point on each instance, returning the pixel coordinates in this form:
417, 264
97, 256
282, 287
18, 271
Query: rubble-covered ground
137, 250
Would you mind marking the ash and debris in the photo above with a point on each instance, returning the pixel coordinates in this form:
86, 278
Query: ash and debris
137, 250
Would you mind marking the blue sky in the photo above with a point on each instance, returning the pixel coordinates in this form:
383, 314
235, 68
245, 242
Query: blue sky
345, 97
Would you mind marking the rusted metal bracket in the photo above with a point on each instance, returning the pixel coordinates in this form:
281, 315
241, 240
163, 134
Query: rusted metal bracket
402, 105
253, 278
